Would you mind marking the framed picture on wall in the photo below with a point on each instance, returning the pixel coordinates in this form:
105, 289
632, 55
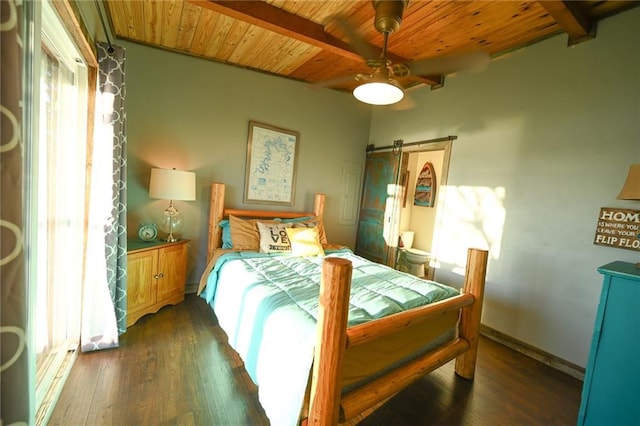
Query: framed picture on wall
270, 173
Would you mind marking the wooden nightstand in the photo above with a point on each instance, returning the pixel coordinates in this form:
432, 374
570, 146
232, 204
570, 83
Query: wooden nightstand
156, 276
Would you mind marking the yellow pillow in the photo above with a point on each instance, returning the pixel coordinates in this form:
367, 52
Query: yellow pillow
304, 241
316, 222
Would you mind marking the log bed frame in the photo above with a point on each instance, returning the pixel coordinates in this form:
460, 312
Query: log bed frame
326, 404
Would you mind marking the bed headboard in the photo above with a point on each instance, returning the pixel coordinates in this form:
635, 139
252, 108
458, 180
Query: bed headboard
217, 212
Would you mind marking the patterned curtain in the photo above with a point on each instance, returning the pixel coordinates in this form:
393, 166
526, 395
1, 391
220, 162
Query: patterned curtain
105, 288
14, 367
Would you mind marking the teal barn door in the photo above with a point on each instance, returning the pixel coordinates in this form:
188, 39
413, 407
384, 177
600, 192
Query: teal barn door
378, 221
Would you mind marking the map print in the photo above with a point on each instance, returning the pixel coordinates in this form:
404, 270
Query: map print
272, 166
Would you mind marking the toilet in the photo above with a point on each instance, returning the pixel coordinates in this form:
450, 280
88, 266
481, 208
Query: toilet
406, 239
416, 260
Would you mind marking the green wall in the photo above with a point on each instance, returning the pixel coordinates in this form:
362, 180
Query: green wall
193, 114
546, 136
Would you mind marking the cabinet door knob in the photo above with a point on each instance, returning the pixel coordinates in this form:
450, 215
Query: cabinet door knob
158, 276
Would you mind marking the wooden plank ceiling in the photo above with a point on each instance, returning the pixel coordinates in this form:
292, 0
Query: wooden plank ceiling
298, 39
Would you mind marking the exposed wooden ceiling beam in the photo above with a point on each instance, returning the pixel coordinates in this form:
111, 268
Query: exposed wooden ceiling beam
287, 24
573, 19
281, 22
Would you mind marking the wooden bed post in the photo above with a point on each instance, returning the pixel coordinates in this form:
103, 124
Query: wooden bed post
333, 312
318, 205
215, 216
471, 315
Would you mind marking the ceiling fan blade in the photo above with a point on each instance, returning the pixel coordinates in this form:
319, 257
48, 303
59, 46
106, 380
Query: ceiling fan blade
355, 39
406, 103
474, 61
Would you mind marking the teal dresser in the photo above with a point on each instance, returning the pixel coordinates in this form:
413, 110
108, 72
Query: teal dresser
611, 390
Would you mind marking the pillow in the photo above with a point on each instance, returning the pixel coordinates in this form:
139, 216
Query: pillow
273, 237
226, 234
305, 241
295, 219
244, 234
308, 222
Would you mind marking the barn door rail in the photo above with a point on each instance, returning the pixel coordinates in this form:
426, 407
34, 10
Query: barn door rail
400, 144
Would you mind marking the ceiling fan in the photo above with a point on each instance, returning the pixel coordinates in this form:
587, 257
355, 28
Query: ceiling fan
380, 86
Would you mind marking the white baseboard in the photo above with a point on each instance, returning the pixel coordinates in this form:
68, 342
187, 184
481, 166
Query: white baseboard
546, 358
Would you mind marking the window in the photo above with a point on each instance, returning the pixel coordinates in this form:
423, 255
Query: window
57, 186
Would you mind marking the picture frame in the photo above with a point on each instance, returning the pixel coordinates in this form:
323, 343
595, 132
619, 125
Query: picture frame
617, 227
270, 170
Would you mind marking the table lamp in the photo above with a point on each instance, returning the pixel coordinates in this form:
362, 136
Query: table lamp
172, 184
631, 188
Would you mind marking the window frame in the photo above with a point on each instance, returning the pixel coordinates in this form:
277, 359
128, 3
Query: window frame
51, 29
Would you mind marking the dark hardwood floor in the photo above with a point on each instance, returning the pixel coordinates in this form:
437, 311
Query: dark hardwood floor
174, 368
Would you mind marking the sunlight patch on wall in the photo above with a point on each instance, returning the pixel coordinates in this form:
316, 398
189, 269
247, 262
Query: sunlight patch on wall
468, 217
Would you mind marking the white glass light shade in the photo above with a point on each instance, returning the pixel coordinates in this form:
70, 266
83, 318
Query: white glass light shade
172, 184
378, 93
631, 188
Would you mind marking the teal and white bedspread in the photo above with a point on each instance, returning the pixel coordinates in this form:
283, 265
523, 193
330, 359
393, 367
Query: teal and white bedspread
267, 304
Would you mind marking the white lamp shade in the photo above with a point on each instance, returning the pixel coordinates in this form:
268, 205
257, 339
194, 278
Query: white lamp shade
378, 93
631, 188
172, 184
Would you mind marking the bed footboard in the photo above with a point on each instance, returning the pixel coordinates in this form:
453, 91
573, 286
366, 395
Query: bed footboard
333, 312
326, 404
469, 327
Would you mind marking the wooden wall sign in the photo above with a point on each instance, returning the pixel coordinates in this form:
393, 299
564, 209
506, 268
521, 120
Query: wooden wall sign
618, 228
425, 194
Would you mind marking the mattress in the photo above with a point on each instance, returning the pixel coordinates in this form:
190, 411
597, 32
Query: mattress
268, 303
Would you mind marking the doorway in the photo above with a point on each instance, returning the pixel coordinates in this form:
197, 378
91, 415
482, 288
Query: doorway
417, 218
420, 219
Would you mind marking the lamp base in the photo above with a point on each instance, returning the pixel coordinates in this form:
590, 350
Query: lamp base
171, 222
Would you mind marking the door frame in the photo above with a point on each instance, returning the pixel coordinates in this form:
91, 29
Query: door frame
425, 146
440, 144
446, 146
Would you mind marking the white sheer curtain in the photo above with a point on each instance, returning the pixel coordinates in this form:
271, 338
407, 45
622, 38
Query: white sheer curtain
56, 202
105, 297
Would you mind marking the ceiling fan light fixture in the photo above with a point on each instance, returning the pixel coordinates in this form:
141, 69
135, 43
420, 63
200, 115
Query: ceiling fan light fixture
378, 93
